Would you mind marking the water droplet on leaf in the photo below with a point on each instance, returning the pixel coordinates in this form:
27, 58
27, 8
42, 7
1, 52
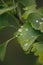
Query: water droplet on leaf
26, 44
41, 18
20, 30
21, 26
21, 34
26, 29
37, 21
40, 23
16, 35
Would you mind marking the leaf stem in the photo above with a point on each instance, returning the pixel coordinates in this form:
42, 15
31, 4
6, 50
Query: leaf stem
9, 40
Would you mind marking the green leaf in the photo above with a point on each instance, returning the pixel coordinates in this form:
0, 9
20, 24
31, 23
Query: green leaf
26, 2
26, 36
28, 11
14, 22
3, 48
38, 51
3, 21
1, 6
4, 10
8, 2
2, 51
40, 11
41, 27
8, 20
36, 21
40, 38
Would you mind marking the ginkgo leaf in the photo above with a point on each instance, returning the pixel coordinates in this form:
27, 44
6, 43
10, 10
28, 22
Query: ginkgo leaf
26, 35
26, 2
36, 21
38, 51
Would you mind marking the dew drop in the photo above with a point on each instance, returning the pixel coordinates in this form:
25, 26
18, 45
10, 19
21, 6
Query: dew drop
26, 44
40, 23
26, 29
21, 34
37, 21
41, 18
21, 26
16, 35
20, 30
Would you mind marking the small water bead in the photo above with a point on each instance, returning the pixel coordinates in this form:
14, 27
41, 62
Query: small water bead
26, 44
21, 26
37, 21
16, 35
41, 18
26, 29
21, 34
20, 30
40, 23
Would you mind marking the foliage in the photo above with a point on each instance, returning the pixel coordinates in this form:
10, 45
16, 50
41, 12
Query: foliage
27, 22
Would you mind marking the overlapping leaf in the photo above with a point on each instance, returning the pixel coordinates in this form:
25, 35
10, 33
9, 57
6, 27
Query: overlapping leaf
30, 7
36, 21
26, 2
6, 19
38, 51
40, 11
28, 11
4, 10
26, 36
2, 50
